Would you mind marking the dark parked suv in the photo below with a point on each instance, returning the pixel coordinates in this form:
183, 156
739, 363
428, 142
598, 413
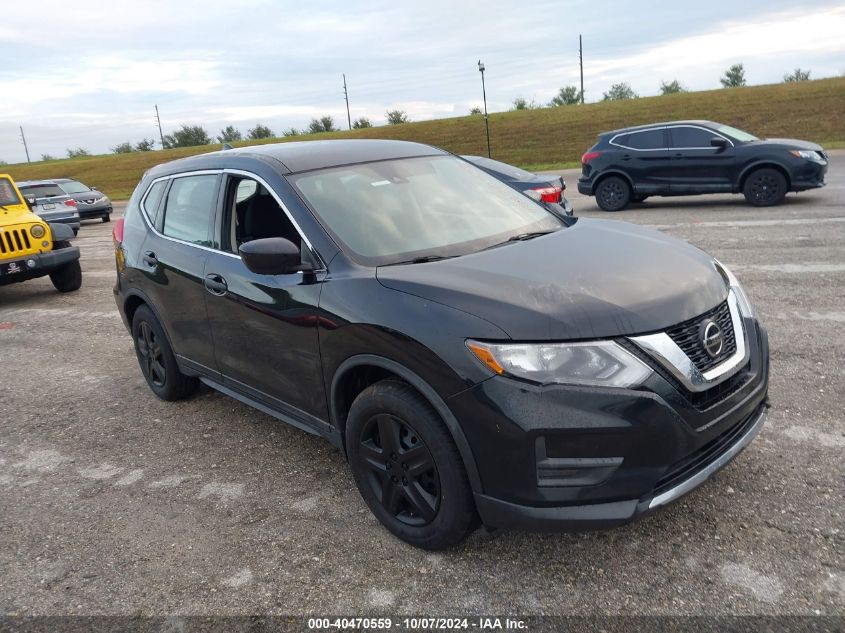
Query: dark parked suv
474, 355
694, 157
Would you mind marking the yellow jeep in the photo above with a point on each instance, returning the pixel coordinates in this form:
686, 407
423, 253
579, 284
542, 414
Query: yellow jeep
30, 247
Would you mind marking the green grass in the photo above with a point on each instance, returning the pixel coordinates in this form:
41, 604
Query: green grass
535, 139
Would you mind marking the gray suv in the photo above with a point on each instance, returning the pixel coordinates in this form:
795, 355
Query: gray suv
90, 202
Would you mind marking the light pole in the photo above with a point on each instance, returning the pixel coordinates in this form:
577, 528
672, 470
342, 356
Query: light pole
484, 92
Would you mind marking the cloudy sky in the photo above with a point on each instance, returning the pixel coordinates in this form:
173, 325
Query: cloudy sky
89, 73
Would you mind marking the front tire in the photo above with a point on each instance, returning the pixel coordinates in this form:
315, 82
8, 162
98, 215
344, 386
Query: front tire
613, 194
158, 364
765, 187
67, 278
407, 467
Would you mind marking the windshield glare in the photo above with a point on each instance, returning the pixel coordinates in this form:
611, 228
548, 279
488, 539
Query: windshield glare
74, 187
737, 134
397, 210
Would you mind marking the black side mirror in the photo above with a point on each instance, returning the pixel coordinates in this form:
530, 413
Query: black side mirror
718, 141
272, 256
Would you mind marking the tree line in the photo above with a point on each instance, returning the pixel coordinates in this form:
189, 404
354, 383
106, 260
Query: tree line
733, 77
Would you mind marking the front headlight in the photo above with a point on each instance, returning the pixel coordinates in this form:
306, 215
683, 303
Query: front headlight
806, 153
101, 199
598, 363
733, 283
37, 231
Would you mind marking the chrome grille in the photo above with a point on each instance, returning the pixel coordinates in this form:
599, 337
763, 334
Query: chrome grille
13, 241
687, 336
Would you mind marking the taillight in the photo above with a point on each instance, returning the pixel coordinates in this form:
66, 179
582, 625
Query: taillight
586, 158
70, 203
117, 232
549, 194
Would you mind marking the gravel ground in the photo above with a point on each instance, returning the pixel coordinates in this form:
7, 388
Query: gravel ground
113, 502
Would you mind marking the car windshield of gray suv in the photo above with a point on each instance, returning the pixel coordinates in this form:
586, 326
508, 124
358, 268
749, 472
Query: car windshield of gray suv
415, 208
74, 187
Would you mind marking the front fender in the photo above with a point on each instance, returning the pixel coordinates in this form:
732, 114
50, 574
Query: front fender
61, 232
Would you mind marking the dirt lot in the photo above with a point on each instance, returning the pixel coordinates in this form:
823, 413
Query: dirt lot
113, 502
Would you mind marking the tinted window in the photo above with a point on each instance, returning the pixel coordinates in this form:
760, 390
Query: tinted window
7, 193
649, 139
190, 204
74, 186
151, 202
41, 191
690, 137
397, 210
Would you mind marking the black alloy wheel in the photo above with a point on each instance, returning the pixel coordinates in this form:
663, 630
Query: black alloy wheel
150, 351
156, 358
402, 473
765, 188
407, 467
613, 194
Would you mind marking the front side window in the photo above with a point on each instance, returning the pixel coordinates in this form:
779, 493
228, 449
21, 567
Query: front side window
74, 186
685, 137
398, 210
8, 195
190, 204
252, 213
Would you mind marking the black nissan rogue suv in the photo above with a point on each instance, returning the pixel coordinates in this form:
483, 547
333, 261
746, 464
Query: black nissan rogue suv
474, 356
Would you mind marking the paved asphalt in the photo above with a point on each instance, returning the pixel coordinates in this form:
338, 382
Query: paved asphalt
113, 502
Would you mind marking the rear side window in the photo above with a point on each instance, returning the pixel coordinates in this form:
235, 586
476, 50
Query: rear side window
690, 137
41, 191
7, 193
647, 139
190, 204
152, 201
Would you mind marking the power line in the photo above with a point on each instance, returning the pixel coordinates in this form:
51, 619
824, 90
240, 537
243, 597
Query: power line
160, 133
346, 96
25, 148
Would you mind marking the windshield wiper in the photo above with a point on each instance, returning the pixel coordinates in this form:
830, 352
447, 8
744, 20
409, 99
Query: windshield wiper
421, 260
521, 237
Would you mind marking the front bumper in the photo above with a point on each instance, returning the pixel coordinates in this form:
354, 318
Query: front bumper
562, 457
808, 175
100, 210
45, 263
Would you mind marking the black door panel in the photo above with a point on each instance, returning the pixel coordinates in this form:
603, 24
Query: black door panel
698, 167
644, 157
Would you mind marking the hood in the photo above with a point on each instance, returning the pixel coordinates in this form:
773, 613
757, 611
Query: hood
789, 143
92, 194
595, 279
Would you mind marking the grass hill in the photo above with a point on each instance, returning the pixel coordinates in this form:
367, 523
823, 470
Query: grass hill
535, 139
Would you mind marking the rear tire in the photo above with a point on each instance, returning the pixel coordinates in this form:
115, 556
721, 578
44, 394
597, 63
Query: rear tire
67, 278
765, 187
158, 364
407, 467
613, 194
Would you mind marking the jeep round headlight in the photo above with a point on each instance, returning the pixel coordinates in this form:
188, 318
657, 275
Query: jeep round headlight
37, 231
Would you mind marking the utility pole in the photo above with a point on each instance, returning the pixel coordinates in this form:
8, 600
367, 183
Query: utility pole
581, 63
484, 92
160, 133
346, 96
25, 148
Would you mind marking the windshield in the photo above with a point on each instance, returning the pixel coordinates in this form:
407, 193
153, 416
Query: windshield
8, 195
737, 134
41, 191
74, 186
398, 210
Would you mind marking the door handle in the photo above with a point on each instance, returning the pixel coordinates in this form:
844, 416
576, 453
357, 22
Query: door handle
626, 157
678, 155
216, 285
150, 259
